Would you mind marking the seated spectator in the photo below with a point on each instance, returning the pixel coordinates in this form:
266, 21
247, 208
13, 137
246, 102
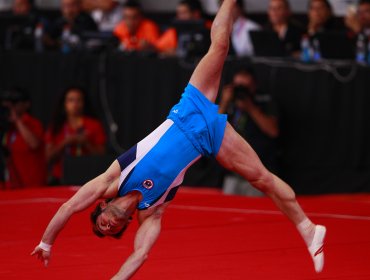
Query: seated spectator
22, 146
253, 115
359, 22
20, 31
187, 10
72, 132
135, 32
320, 17
290, 33
73, 21
107, 15
240, 39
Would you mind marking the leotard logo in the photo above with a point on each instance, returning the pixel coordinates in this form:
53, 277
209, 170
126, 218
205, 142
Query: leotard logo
148, 184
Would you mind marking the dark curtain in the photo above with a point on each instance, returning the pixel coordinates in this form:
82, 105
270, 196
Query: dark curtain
325, 124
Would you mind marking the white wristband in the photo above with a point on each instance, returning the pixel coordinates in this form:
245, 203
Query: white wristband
44, 246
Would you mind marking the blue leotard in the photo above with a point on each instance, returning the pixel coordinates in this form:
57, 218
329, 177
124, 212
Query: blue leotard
156, 165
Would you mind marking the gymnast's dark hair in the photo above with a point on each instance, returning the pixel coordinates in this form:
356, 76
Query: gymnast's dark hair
94, 216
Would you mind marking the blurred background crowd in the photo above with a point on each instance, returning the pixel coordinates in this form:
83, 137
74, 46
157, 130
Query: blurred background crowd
125, 26
35, 153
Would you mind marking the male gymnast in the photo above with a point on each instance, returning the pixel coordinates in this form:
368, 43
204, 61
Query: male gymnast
147, 176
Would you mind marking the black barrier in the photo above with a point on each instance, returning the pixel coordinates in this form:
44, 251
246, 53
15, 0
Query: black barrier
323, 108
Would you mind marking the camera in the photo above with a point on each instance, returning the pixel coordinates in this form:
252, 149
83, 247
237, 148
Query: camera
241, 92
11, 97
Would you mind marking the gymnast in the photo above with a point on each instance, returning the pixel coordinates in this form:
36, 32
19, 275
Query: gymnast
146, 177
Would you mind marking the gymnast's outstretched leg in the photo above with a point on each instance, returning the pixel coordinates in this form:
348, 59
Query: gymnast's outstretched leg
237, 155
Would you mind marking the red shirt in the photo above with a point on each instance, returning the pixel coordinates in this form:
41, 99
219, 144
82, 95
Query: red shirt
90, 127
147, 31
26, 167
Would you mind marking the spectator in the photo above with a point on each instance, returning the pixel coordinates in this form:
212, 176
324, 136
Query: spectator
320, 17
73, 20
240, 40
72, 132
107, 15
22, 142
20, 31
290, 34
360, 22
187, 10
135, 32
253, 114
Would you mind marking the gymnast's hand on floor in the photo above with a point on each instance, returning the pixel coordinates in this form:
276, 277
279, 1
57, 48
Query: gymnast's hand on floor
42, 255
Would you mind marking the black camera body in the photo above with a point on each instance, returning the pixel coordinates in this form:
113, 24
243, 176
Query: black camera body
242, 92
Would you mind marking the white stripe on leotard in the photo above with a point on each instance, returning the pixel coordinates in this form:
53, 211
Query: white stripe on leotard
144, 146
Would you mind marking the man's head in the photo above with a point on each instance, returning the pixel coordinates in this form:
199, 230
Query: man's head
109, 220
279, 11
319, 12
244, 86
245, 77
364, 13
189, 10
71, 9
22, 7
74, 101
132, 15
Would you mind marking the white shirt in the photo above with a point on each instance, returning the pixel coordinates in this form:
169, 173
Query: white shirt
107, 21
240, 38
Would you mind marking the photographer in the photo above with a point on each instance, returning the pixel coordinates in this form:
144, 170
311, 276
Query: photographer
253, 116
22, 149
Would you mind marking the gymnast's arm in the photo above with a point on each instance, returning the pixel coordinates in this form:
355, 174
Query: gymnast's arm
101, 187
146, 236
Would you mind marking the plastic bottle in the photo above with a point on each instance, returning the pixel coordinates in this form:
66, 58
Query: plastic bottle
361, 49
316, 50
305, 49
66, 47
38, 38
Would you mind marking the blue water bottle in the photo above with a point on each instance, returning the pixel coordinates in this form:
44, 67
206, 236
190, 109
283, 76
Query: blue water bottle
305, 49
66, 36
361, 49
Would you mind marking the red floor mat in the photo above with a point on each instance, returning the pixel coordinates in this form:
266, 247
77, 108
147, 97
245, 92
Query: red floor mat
205, 235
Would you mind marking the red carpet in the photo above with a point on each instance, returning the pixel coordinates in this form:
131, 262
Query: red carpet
205, 235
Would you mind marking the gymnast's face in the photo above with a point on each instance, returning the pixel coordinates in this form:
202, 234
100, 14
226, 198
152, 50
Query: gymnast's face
111, 220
